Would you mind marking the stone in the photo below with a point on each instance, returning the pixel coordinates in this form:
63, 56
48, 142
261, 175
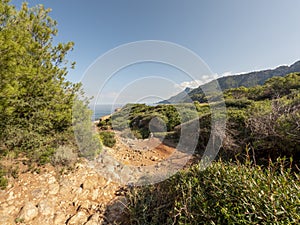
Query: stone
53, 188
37, 193
79, 218
90, 183
28, 212
60, 218
7, 210
46, 207
95, 194
90, 222
154, 158
51, 180
6, 220
42, 220
11, 196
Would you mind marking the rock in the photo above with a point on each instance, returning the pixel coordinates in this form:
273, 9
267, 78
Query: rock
65, 187
90, 183
11, 196
53, 188
43, 220
7, 210
115, 210
51, 180
92, 223
28, 212
46, 207
154, 158
60, 218
79, 218
95, 219
37, 193
95, 194
6, 220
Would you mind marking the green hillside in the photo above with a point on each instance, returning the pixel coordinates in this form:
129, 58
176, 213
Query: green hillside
255, 178
234, 81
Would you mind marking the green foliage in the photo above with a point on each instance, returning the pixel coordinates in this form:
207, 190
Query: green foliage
108, 138
64, 155
276, 87
224, 193
3, 180
88, 141
137, 117
274, 127
36, 100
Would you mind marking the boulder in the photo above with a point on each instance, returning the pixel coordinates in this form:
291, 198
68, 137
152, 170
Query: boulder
79, 218
46, 207
28, 212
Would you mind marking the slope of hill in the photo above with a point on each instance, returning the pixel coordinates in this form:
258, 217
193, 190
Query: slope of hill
178, 97
248, 80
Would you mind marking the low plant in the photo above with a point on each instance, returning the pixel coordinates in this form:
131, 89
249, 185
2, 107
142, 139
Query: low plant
224, 193
64, 155
3, 180
108, 138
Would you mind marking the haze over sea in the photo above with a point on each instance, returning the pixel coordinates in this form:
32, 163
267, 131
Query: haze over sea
103, 110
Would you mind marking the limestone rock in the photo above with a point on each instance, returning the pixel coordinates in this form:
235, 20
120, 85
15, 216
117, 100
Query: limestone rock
90, 222
46, 207
79, 218
6, 220
37, 193
60, 218
53, 188
28, 212
95, 219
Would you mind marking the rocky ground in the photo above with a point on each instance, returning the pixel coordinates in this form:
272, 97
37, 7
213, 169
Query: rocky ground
91, 193
81, 196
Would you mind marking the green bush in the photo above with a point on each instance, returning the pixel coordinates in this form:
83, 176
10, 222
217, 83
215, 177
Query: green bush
108, 138
3, 180
224, 193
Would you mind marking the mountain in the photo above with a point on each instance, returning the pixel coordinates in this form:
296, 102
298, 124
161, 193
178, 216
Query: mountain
248, 80
178, 97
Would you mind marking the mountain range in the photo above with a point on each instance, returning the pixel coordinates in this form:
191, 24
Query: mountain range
247, 80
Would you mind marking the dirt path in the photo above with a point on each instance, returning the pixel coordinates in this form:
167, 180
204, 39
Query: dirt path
81, 196
141, 152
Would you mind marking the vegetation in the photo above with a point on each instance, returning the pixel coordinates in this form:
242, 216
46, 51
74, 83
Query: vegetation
224, 193
36, 101
108, 138
3, 180
235, 81
40, 111
264, 120
142, 119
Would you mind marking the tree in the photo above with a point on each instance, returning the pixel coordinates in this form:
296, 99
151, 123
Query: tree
35, 97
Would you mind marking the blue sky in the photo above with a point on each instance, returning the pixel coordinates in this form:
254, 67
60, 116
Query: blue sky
230, 36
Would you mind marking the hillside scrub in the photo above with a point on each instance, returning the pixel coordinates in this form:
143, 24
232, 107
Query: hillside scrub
107, 138
263, 118
224, 193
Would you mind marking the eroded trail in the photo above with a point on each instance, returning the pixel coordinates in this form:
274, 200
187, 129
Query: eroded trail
48, 197
84, 195
141, 152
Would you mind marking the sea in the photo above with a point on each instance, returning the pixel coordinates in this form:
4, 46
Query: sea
103, 110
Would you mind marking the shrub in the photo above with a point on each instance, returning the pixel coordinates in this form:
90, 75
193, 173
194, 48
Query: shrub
224, 193
108, 138
64, 155
3, 180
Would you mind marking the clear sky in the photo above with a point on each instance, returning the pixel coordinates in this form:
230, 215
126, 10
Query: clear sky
231, 36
